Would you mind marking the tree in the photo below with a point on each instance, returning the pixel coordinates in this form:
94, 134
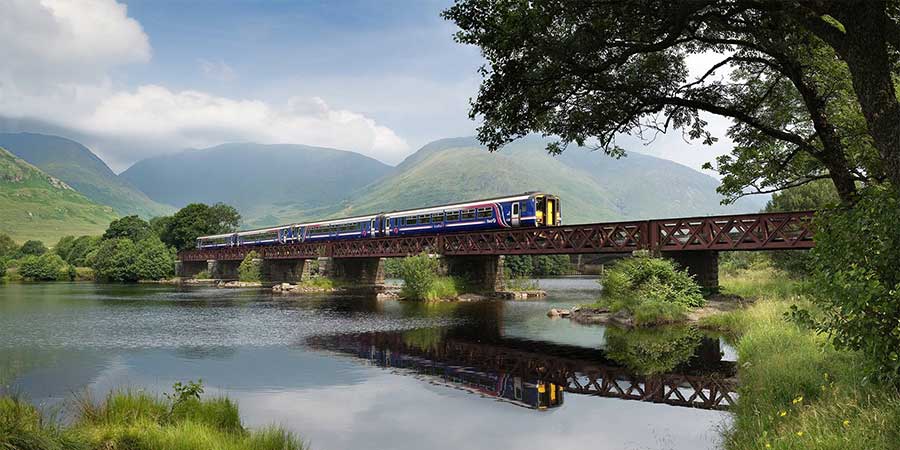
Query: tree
32, 248
249, 270
115, 260
46, 267
808, 101
195, 220
81, 247
857, 281
130, 227
154, 260
552, 265
8, 247
64, 246
519, 265
3, 264
819, 195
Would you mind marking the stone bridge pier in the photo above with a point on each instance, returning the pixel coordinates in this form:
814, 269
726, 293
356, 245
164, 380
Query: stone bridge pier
284, 270
223, 269
189, 269
702, 264
361, 273
484, 273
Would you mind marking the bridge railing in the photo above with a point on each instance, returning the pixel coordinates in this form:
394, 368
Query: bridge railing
762, 231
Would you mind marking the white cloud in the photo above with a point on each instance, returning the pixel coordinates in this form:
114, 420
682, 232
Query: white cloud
217, 70
59, 55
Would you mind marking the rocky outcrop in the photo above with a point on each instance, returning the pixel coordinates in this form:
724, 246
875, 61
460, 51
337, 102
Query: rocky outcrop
288, 288
239, 284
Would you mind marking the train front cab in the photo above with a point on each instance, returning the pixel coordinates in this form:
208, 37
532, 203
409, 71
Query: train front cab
547, 210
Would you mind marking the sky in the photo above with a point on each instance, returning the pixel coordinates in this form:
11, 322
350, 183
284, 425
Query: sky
139, 78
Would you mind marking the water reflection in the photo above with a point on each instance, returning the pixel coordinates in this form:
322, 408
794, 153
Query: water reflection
678, 366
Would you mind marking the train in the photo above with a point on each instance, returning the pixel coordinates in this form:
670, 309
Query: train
531, 209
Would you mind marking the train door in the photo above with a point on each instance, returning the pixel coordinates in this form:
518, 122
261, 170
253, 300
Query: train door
550, 216
514, 215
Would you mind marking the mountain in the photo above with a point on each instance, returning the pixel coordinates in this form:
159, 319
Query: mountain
35, 205
593, 187
80, 168
268, 184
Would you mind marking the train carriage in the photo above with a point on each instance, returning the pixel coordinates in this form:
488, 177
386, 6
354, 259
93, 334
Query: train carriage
531, 209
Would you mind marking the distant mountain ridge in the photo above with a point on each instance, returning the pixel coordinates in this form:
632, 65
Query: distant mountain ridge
268, 184
79, 167
35, 205
593, 187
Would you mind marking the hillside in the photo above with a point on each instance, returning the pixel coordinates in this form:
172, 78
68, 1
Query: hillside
269, 184
35, 205
593, 187
80, 168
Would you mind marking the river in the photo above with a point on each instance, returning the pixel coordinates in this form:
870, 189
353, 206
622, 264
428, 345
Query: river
351, 372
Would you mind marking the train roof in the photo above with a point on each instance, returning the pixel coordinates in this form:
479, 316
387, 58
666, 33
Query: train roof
399, 212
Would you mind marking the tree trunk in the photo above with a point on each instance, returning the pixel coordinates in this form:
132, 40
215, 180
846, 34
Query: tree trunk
870, 68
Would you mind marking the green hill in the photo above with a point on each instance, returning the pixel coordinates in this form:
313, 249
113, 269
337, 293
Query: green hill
34, 205
269, 184
80, 168
593, 186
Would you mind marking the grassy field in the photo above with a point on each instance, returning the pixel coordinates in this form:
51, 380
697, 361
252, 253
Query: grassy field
37, 206
134, 420
797, 391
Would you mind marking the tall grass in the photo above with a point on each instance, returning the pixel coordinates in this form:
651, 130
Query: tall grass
797, 391
134, 420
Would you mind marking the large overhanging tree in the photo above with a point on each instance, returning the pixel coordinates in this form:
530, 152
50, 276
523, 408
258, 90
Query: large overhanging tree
809, 85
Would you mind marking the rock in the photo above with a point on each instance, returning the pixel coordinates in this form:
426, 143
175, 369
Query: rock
576, 309
553, 312
239, 284
565, 313
622, 319
387, 296
470, 298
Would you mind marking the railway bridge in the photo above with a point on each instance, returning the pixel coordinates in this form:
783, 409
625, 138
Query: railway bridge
693, 242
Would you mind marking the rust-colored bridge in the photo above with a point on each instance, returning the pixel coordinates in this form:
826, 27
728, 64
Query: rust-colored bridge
763, 231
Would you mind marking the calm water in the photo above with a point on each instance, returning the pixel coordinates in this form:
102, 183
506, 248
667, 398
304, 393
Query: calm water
352, 372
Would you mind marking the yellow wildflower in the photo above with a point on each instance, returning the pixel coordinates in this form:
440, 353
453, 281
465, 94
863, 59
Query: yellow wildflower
768, 445
782, 414
798, 400
846, 423
800, 433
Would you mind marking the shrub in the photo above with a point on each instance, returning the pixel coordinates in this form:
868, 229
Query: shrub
518, 266
120, 259
47, 267
32, 248
552, 265
652, 351
421, 279
249, 269
857, 280
203, 275
3, 264
649, 278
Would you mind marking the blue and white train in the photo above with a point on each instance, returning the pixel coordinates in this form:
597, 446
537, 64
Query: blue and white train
531, 209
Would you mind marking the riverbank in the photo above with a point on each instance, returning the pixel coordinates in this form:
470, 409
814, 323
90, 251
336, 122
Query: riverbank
137, 420
796, 390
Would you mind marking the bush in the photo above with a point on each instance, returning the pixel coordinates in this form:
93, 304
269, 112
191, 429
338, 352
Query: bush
8, 247
32, 248
203, 275
552, 265
120, 259
47, 267
3, 264
857, 280
421, 279
649, 278
519, 266
249, 269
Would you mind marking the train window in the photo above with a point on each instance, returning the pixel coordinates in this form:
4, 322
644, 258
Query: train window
437, 217
411, 220
485, 213
468, 214
424, 219
452, 216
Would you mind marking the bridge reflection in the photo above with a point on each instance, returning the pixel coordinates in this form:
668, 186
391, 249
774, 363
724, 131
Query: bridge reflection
537, 374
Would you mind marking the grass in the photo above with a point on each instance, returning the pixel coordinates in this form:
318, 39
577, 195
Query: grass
797, 391
521, 284
134, 420
442, 288
323, 283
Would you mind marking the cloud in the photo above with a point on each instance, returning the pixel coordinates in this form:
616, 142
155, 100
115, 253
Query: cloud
60, 55
217, 70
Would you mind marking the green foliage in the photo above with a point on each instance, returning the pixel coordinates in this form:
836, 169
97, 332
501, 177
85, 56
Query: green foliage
421, 279
32, 248
8, 247
648, 278
79, 250
249, 270
819, 195
521, 284
120, 259
857, 281
47, 267
517, 266
203, 275
797, 390
552, 265
128, 227
195, 220
64, 246
3, 264
655, 351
